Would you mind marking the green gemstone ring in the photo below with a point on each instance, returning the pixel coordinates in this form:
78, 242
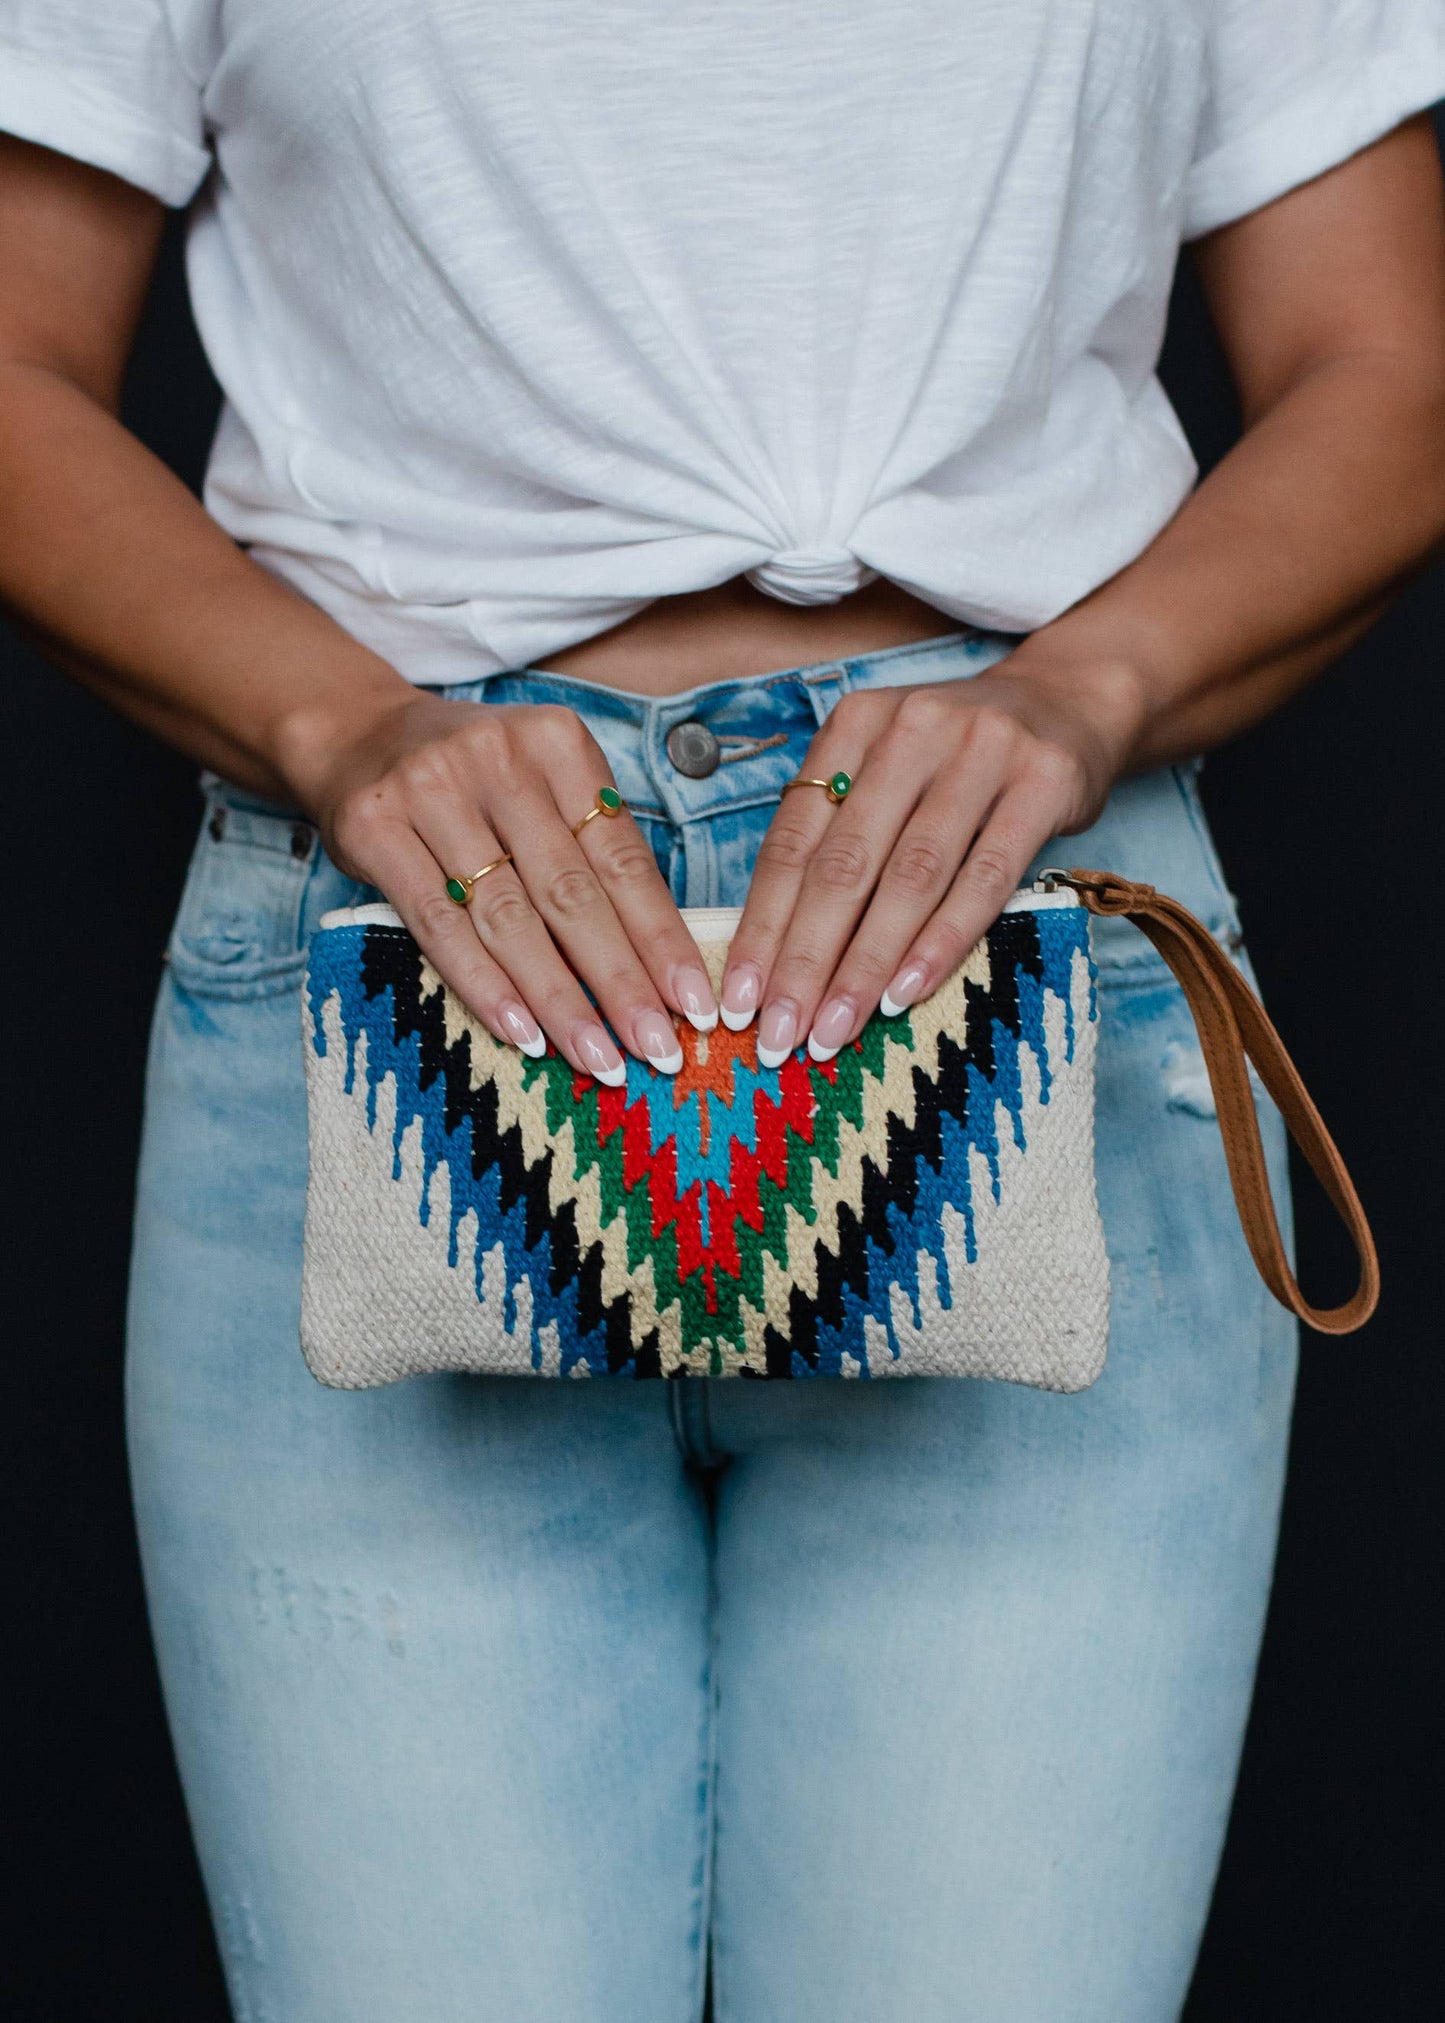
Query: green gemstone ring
609, 802
837, 786
459, 890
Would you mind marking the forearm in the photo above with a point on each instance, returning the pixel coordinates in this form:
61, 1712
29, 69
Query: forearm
116, 566
1279, 561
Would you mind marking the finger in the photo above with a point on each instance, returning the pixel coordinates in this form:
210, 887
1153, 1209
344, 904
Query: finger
998, 771
500, 920
981, 752
627, 871
911, 884
990, 874
575, 910
834, 892
406, 870
795, 833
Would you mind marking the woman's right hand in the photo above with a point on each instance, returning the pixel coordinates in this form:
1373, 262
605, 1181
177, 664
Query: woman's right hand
116, 564
431, 789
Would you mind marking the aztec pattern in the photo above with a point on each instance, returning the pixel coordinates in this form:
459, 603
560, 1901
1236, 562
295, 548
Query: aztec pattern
922, 1203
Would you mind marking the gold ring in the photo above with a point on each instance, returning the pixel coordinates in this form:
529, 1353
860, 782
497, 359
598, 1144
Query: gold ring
836, 787
459, 890
609, 802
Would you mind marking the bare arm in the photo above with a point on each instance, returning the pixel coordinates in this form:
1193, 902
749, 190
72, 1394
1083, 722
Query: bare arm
1331, 307
107, 556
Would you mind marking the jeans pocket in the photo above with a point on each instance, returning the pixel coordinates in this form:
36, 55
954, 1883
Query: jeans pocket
238, 933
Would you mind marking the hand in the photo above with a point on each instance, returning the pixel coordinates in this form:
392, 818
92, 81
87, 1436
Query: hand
956, 788
429, 788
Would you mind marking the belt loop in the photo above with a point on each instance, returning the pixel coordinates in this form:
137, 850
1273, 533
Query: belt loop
825, 688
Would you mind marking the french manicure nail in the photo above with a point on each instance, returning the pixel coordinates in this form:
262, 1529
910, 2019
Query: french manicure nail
831, 1027
740, 996
599, 1057
523, 1031
694, 994
904, 990
777, 1034
656, 1038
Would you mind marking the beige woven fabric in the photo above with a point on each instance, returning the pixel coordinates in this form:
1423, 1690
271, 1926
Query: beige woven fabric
470, 1210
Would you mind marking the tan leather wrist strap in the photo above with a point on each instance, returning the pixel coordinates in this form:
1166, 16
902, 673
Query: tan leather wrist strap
1233, 1030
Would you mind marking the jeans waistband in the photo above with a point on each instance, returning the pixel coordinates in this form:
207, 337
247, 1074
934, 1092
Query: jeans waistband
759, 727
735, 710
752, 730
945, 658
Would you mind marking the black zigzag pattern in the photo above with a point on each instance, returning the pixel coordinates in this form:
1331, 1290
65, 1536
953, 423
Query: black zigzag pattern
391, 963
1013, 950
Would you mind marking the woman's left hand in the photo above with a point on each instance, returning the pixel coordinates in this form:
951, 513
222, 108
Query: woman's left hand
956, 788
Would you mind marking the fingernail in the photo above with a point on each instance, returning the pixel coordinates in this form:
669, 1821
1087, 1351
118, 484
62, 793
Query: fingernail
655, 1037
904, 990
523, 1031
599, 1057
740, 996
777, 1034
694, 994
831, 1027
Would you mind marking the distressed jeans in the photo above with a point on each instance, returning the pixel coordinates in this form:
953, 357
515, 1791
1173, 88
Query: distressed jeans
506, 1701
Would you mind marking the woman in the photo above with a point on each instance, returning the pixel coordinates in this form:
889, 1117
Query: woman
689, 400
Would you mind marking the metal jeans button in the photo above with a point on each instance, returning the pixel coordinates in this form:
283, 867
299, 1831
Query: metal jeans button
693, 749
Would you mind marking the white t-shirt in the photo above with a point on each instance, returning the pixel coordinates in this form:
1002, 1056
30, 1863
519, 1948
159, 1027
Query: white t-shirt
527, 314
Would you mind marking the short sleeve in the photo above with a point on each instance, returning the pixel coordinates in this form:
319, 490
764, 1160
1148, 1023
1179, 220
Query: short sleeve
105, 81
1294, 87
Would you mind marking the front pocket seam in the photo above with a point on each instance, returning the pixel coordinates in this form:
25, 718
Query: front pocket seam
218, 866
199, 978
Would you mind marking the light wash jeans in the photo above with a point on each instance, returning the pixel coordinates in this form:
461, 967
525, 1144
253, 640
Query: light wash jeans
506, 1701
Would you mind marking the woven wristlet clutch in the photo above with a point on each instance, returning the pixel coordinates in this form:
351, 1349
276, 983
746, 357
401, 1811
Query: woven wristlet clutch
923, 1204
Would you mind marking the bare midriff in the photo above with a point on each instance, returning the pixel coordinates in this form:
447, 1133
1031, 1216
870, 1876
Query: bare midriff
733, 631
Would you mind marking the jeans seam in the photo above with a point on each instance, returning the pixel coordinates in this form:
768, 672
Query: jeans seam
702, 1935
677, 1405
1186, 776
692, 1423
711, 1456
699, 842
674, 1412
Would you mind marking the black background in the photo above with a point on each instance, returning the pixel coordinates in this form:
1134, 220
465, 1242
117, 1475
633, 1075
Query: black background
1330, 1892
